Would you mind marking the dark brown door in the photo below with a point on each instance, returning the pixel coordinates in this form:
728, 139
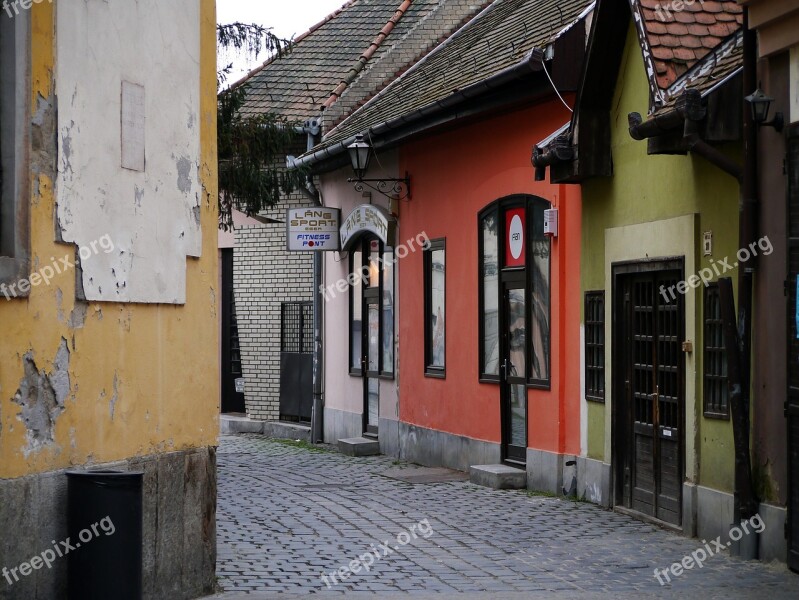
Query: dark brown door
792, 402
232, 400
651, 412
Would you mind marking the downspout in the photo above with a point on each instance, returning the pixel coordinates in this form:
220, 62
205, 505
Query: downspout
747, 500
312, 130
687, 114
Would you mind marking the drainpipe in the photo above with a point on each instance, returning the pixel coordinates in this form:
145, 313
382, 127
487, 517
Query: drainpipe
747, 502
687, 114
312, 130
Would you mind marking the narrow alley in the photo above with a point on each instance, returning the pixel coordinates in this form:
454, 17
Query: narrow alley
289, 514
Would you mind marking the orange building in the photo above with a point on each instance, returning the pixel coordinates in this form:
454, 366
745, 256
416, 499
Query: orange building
508, 297
464, 352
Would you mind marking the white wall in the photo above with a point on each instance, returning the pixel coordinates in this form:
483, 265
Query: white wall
342, 391
151, 216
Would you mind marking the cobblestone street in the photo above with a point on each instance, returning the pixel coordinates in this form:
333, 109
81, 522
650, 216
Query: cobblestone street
288, 514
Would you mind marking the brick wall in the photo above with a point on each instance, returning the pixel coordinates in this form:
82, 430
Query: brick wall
264, 276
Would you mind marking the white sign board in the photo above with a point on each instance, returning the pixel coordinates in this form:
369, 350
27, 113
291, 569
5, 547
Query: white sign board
368, 218
312, 229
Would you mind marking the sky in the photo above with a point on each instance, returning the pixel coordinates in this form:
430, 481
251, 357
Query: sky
287, 18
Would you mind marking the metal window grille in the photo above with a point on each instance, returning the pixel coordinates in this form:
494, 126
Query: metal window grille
595, 346
296, 334
716, 401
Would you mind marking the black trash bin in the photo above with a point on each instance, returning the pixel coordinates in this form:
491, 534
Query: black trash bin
104, 525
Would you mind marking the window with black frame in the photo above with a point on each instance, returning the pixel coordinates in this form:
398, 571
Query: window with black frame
435, 309
14, 122
494, 267
594, 318
371, 308
714, 359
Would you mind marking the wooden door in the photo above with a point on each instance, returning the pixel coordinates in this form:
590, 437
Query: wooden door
651, 414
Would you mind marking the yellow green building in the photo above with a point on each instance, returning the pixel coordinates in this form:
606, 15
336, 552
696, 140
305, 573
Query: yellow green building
656, 143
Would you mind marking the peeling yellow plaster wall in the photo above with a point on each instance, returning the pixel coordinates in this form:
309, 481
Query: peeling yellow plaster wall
142, 378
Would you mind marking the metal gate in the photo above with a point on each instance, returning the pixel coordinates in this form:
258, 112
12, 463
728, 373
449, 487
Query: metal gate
792, 402
296, 361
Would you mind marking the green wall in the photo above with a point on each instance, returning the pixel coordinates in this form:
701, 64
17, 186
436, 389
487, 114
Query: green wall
647, 189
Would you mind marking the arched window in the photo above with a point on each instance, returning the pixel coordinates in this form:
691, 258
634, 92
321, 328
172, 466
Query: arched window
514, 253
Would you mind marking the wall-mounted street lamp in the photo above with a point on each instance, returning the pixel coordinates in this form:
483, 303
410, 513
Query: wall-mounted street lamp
360, 152
760, 104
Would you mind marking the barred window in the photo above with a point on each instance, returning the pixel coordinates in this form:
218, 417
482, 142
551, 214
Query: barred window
296, 333
595, 346
716, 399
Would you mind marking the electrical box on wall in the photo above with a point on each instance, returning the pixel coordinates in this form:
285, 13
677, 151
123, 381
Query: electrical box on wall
551, 222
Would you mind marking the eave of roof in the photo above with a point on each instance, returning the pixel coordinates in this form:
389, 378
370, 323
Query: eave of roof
708, 75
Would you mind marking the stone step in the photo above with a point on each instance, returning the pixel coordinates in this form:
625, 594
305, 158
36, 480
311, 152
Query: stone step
287, 431
498, 477
359, 446
229, 424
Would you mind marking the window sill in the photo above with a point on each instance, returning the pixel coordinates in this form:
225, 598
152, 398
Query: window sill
716, 416
435, 373
539, 385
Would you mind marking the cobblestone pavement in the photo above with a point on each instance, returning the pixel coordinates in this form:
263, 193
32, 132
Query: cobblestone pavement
288, 514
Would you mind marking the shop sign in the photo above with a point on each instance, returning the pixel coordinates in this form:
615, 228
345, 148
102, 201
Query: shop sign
368, 218
312, 229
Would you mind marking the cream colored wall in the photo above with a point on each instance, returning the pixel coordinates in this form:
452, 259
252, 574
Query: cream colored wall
342, 391
658, 239
152, 214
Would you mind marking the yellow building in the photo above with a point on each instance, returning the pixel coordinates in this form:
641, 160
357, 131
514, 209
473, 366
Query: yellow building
108, 277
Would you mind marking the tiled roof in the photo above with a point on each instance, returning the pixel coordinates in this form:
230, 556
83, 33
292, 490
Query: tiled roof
678, 39
345, 46
500, 38
715, 68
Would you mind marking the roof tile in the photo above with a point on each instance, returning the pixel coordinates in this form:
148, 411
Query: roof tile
501, 37
296, 85
690, 32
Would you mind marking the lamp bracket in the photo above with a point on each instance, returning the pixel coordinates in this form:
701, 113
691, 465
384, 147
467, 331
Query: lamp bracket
394, 189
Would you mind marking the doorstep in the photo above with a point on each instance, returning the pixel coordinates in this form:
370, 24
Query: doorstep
359, 446
498, 477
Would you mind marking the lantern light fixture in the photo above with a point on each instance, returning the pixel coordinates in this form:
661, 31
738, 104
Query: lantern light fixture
360, 152
760, 104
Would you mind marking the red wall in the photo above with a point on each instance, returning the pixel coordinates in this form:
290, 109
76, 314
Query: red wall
453, 176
